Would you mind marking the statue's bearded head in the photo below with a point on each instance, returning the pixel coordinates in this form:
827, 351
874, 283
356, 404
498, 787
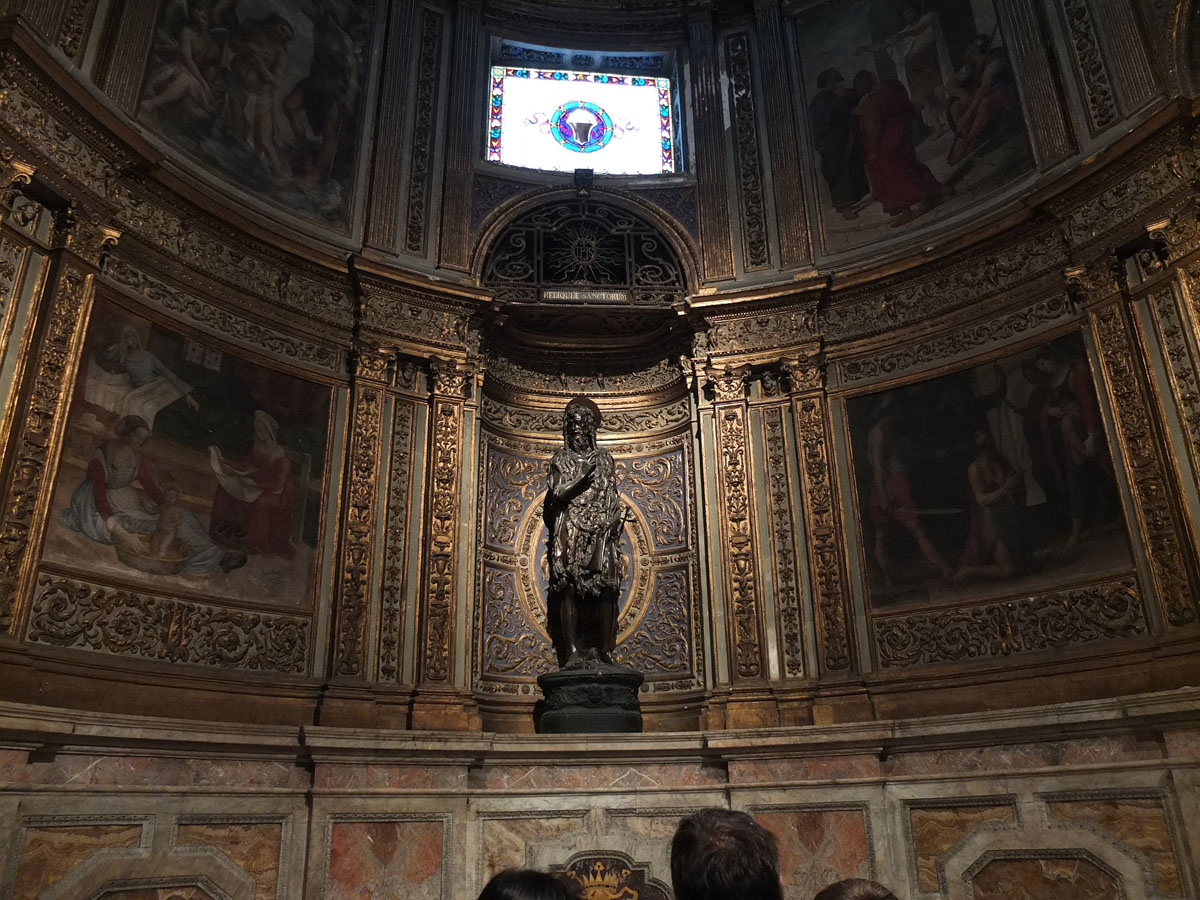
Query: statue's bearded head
580, 421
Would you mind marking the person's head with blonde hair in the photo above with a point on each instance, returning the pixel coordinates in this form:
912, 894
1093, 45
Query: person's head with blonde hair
855, 889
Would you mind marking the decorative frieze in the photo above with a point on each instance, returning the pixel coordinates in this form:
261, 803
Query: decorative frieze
756, 247
1153, 493
78, 615
359, 510
938, 350
1107, 611
548, 423
780, 329
222, 322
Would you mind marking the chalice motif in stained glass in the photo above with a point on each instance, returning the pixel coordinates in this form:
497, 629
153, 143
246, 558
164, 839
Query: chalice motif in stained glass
581, 126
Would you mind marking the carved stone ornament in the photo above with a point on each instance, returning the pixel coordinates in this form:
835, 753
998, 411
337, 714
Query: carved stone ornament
69, 613
740, 558
823, 526
445, 479
728, 385
1060, 619
395, 559
358, 527
779, 495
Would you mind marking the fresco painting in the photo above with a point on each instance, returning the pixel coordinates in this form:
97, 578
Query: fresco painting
266, 92
913, 114
187, 469
993, 481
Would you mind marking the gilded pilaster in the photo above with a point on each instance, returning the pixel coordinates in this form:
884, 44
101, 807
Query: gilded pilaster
369, 378
740, 559
438, 703
54, 339
822, 518
1155, 494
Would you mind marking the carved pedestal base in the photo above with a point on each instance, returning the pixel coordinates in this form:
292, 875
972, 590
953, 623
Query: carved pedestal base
590, 700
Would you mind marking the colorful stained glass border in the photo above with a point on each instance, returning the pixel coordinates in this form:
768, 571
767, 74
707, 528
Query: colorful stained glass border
496, 104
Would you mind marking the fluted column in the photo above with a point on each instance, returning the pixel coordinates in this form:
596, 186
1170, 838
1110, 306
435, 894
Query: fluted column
709, 143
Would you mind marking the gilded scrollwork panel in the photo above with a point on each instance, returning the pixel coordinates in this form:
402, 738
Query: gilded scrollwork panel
445, 476
1106, 611
782, 524
1162, 526
74, 614
740, 565
823, 527
395, 560
360, 512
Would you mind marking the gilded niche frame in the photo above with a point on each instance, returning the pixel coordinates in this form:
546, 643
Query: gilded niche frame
1034, 608
185, 623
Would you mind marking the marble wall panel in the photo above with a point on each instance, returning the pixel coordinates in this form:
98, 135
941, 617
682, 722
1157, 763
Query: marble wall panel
1036, 755
818, 846
381, 858
1063, 878
254, 847
505, 841
1138, 822
50, 852
611, 777
84, 769
934, 830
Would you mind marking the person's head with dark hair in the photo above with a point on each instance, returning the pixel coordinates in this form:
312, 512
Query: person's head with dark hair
527, 884
855, 889
722, 854
864, 82
829, 79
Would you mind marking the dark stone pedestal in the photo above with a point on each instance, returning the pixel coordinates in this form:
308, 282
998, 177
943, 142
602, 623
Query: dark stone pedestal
594, 699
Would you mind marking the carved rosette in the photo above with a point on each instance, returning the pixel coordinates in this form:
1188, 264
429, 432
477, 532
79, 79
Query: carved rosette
783, 528
1153, 491
59, 329
450, 382
361, 498
395, 564
822, 521
734, 491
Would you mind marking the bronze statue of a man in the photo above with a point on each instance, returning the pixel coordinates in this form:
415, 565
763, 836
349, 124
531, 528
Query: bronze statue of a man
584, 515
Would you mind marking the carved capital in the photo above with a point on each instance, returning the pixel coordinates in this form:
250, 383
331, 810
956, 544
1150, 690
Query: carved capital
728, 385
1094, 281
451, 379
804, 372
374, 364
87, 236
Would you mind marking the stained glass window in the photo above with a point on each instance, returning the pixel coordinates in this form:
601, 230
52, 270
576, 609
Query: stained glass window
560, 121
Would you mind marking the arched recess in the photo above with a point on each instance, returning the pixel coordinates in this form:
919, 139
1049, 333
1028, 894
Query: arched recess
569, 219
